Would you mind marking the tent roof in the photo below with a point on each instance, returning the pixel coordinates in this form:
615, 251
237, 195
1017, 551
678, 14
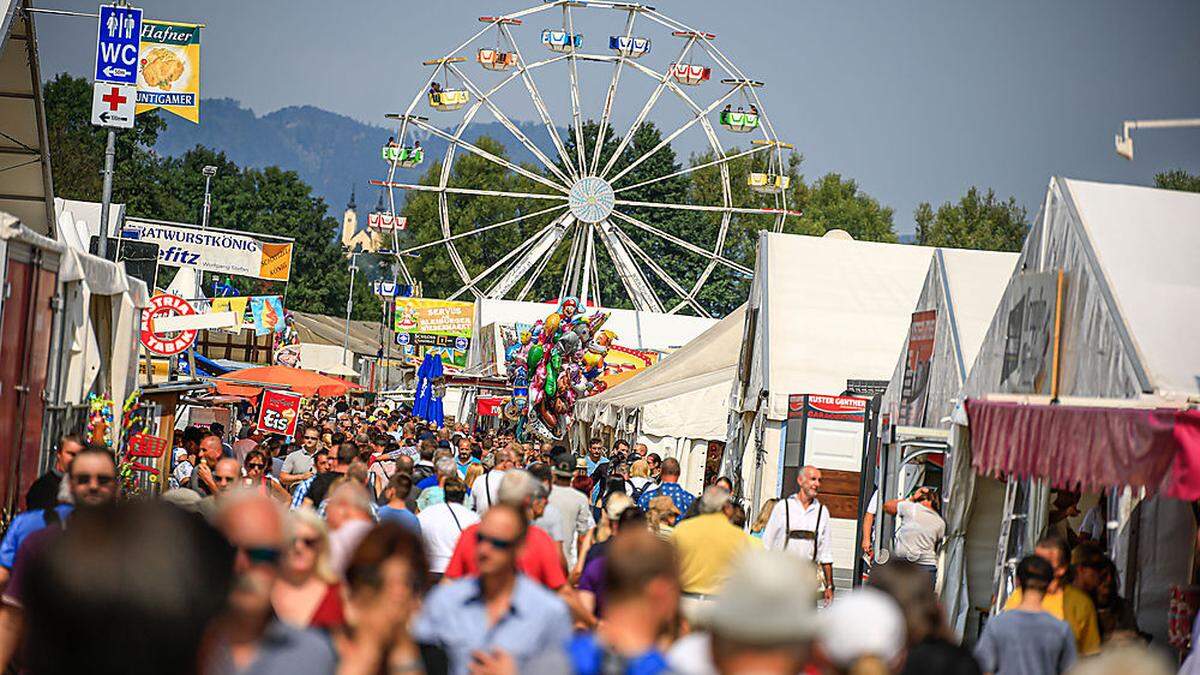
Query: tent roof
330, 330
1146, 241
299, 380
831, 310
976, 280
686, 394
27, 192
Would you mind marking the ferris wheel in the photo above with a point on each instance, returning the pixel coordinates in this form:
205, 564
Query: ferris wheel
577, 199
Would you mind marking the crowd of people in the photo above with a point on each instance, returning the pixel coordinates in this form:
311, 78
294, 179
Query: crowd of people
373, 542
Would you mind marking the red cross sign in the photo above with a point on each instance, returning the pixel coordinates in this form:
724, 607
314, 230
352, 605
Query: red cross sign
114, 99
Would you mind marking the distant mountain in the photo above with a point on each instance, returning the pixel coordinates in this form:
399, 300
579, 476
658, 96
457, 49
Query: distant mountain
330, 152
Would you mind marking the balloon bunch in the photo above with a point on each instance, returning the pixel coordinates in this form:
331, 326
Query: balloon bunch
553, 365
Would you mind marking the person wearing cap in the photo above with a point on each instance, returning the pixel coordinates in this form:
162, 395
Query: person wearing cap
763, 620
572, 507
800, 526
708, 544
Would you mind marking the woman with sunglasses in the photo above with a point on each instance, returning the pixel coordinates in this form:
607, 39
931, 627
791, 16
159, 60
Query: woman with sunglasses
258, 477
307, 593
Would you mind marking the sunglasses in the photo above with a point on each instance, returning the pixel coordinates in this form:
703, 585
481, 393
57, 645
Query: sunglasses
261, 555
103, 480
495, 542
255, 465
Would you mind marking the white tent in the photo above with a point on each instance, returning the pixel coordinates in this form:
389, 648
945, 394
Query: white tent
822, 311
963, 287
678, 405
1128, 338
647, 331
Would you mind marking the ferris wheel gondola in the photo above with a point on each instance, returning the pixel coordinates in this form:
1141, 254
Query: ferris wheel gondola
588, 194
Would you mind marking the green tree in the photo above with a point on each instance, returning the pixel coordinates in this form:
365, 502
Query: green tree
1177, 179
265, 201
832, 202
978, 221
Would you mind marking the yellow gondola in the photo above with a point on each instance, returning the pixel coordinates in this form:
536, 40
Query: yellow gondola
449, 100
768, 183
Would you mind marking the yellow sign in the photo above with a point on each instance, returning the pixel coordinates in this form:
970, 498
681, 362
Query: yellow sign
434, 317
276, 261
169, 69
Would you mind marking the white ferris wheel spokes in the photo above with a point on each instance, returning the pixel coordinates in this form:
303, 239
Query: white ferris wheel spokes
576, 201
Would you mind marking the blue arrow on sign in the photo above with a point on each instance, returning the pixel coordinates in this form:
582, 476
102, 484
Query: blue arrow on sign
117, 38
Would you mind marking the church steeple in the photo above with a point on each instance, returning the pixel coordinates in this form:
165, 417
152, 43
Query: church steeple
379, 206
350, 206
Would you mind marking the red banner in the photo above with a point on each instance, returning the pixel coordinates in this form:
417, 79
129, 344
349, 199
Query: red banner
278, 412
914, 391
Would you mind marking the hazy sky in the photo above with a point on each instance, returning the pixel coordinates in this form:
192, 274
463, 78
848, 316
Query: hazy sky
917, 100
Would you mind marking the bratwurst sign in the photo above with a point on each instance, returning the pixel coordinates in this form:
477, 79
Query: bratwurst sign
213, 250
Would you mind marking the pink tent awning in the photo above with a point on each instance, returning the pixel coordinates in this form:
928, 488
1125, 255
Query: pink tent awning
1088, 447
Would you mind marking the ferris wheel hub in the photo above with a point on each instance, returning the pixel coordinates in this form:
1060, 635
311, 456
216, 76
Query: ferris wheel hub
591, 199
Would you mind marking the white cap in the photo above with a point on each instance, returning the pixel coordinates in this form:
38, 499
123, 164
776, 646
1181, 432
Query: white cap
865, 622
769, 599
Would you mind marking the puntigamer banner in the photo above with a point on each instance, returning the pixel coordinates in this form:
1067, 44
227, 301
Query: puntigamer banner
213, 250
169, 69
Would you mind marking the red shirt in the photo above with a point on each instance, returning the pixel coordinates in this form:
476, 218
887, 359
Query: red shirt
538, 559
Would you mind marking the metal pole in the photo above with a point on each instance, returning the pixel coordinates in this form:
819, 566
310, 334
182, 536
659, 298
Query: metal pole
110, 157
349, 306
209, 172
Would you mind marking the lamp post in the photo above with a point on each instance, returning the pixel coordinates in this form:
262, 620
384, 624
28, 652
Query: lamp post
1124, 142
209, 171
349, 306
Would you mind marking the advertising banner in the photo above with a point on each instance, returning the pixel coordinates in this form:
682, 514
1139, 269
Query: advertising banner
213, 250
914, 392
169, 69
429, 325
161, 342
278, 412
1032, 334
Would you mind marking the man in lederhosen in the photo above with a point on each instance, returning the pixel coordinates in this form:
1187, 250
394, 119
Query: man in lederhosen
801, 527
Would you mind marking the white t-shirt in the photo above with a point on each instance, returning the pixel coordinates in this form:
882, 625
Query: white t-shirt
918, 533
485, 490
1094, 523
440, 531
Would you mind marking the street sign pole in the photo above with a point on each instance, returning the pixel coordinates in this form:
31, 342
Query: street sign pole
110, 157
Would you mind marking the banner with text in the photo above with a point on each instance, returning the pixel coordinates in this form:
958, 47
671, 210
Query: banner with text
914, 390
279, 412
213, 250
439, 326
169, 69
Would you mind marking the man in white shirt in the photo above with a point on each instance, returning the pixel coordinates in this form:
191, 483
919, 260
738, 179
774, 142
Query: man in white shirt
801, 527
920, 530
486, 488
441, 525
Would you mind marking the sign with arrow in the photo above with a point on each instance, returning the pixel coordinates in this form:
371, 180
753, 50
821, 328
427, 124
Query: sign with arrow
118, 36
113, 105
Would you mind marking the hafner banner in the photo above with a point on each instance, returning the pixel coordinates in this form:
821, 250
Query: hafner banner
213, 250
169, 69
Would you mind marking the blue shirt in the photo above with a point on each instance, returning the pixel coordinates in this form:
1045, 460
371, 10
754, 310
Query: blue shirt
534, 631
281, 651
593, 465
428, 482
22, 526
462, 467
402, 516
587, 657
301, 491
680, 497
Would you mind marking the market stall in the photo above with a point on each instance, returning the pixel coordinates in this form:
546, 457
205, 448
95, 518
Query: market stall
1086, 380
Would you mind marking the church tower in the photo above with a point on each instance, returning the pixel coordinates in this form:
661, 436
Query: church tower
349, 222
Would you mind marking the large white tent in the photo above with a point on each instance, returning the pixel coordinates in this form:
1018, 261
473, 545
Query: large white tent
1127, 345
680, 404
822, 311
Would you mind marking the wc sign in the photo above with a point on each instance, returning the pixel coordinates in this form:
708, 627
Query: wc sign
118, 35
